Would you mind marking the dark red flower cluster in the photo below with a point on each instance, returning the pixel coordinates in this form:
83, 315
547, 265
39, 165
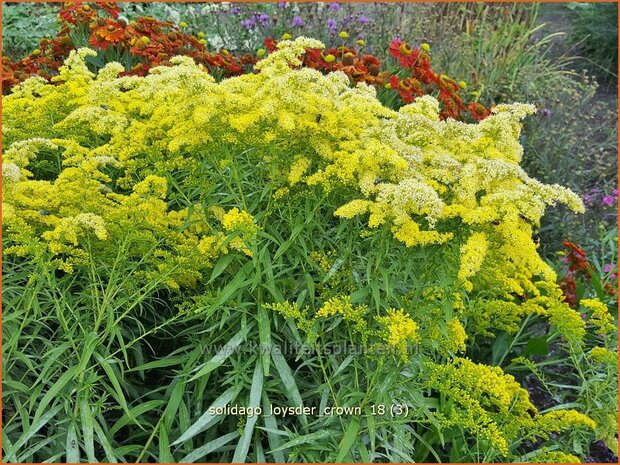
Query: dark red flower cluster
360, 68
147, 42
579, 267
568, 284
576, 258
422, 80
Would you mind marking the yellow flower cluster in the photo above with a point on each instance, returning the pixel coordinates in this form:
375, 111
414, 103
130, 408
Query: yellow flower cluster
562, 420
241, 222
568, 323
554, 456
423, 178
603, 355
483, 400
286, 309
486, 316
457, 336
494, 407
472, 256
298, 168
400, 330
341, 305
600, 317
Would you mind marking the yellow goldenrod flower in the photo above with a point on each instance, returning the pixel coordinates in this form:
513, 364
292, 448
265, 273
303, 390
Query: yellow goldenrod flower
400, 330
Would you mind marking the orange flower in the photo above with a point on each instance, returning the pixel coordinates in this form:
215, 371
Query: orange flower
73, 12
478, 111
111, 7
109, 34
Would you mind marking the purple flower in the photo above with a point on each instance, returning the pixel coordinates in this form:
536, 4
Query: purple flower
361, 36
608, 267
615, 192
331, 25
298, 21
335, 7
249, 23
347, 20
546, 112
235, 10
263, 19
282, 5
608, 200
363, 19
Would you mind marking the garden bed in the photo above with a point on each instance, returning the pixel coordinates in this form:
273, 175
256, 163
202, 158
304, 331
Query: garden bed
226, 240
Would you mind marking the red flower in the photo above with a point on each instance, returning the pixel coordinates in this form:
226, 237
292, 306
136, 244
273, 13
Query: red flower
478, 111
322, 60
73, 12
576, 258
109, 34
111, 8
404, 53
270, 44
569, 289
404, 88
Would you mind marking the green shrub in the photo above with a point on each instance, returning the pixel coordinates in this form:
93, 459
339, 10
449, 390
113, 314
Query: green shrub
596, 34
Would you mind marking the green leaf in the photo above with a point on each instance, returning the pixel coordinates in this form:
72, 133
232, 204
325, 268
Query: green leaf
308, 438
88, 421
241, 451
30, 432
349, 438
221, 265
537, 346
286, 375
134, 413
264, 334
225, 352
73, 449
273, 435
92, 340
164, 445
53, 392
164, 362
207, 419
107, 447
209, 447
118, 394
